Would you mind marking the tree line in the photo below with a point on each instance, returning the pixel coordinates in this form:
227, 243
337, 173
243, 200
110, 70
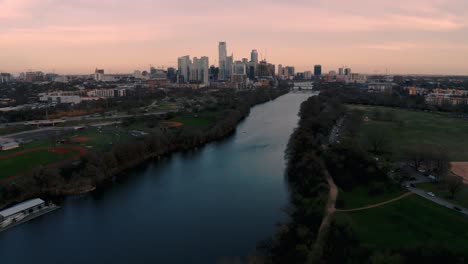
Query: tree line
306, 176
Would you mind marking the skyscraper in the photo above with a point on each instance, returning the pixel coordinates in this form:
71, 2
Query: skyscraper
254, 56
340, 71
347, 71
184, 69
222, 61
280, 71
229, 63
318, 70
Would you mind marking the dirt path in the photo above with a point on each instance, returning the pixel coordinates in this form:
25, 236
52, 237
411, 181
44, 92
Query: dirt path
376, 205
330, 209
332, 195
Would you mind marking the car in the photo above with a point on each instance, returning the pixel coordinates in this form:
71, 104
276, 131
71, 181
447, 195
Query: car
457, 208
412, 185
431, 194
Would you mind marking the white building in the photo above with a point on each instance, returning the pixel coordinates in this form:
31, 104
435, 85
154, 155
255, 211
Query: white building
20, 211
61, 79
61, 99
107, 93
9, 145
184, 69
199, 70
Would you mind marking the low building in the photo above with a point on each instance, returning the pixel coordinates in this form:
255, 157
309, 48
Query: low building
380, 87
62, 99
9, 145
303, 85
21, 210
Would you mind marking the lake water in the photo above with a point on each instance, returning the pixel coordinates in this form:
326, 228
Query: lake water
203, 206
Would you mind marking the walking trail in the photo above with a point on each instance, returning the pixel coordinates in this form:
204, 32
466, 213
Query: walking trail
375, 205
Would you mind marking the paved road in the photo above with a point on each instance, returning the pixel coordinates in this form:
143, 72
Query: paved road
37, 134
92, 117
438, 200
420, 178
335, 133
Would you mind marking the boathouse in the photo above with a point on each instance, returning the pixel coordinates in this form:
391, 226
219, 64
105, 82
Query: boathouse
21, 210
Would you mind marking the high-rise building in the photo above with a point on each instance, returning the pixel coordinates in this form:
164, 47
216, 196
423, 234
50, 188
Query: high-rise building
229, 63
307, 75
222, 61
239, 74
340, 71
99, 74
204, 70
318, 70
254, 56
171, 74
184, 69
238, 68
5, 77
280, 71
347, 72
196, 71
214, 72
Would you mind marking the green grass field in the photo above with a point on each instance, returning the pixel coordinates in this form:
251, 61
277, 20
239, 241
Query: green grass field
411, 223
413, 128
201, 120
359, 197
28, 161
440, 189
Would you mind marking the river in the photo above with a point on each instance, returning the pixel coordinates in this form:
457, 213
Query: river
202, 206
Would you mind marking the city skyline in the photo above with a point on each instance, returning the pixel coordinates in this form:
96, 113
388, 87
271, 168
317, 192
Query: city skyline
421, 37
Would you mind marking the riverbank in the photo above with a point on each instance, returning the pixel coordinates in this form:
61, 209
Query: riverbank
100, 167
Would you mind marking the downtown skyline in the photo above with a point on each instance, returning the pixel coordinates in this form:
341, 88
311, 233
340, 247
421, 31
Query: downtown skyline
421, 37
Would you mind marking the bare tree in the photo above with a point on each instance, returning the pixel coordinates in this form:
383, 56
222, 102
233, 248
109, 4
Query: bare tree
454, 184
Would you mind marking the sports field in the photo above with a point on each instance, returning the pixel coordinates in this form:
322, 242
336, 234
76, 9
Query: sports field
411, 222
411, 128
15, 163
199, 120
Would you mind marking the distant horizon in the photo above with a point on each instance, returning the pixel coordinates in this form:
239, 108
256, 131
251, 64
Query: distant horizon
426, 37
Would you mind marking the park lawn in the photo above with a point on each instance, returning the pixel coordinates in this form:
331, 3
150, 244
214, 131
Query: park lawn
419, 127
99, 140
28, 161
167, 107
412, 222
440, 189
201, 120
359, 197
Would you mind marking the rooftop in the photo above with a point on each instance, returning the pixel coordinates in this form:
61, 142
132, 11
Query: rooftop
21, 207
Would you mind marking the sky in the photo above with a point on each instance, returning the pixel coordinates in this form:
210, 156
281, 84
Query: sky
120, 36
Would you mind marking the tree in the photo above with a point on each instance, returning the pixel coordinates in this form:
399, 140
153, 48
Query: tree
454, 184
378, 141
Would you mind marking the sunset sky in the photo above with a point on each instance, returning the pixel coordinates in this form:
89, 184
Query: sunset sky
370, 36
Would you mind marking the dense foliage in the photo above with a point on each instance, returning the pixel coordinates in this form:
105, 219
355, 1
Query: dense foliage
306, 175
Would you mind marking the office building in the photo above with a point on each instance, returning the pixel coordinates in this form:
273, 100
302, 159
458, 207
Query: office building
183, 64
222, 61
254, 56
317, 70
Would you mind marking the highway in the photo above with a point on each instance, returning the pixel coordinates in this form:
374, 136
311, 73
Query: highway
93, 117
